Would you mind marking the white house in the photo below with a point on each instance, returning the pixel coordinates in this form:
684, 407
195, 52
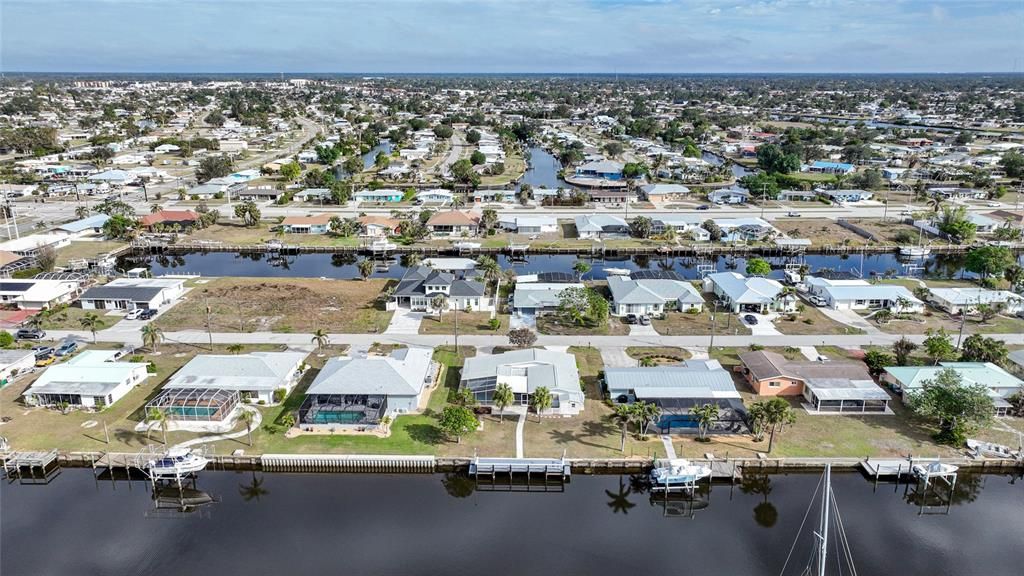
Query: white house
92, 379
14, 362
742, 294
254, 376
358, 392
1000, 383
31, 245
37, 294
530, 224
600, 226
956, 300
421, 284
862, 295
436, 196
531, 298
131, 293
652, 296
525, 371
90, 226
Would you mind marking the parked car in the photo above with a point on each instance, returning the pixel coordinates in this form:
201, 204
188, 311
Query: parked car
816, 300
147, 314
703, 207
645, 320
67, 348
45, 360
133, 314
750, 319
42, 350
631, 319
30, 334
793, 214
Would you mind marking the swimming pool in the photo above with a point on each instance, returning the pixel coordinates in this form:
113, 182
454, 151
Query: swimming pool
192, 411
335, 417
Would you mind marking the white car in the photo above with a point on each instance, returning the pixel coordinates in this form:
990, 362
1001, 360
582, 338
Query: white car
994, 204
133, 314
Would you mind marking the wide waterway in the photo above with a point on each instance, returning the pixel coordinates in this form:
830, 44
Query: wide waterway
344, 265
278, 524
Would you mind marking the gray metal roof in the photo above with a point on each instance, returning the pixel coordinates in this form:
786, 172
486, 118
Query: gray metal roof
402, 373
845, 389
652, 291
695, 379
132, 293
257, 371
552, 369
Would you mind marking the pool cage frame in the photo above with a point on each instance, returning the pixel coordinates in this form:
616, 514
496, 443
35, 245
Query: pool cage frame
177, 403
315, 403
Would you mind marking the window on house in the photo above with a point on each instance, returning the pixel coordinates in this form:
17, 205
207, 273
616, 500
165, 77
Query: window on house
774, 384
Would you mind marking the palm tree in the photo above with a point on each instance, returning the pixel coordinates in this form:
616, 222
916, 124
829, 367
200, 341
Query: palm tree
581, 268
158, 417
503, 398
706, 416
439, 302
540, 400
253, 490
235, 348
385, 423
151, 336
247, 417
321, 339
82, 212
489, 267
91, 322
623, 414
365, 268
647, 362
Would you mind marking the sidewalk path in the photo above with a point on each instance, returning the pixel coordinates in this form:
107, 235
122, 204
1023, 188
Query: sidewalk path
670, 450
257, 420
519, 434
850, 318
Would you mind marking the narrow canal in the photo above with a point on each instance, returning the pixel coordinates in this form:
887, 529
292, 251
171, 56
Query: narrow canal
276, 524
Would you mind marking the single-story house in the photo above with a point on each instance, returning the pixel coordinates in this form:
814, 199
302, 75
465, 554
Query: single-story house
846, 195
600, 169
185, 219
596, 226
132, 293
652, 296
751, 229
91, 379
90, 226
30, 293
314, 195
114, 177
858, 294
610, 196
956, 193
351, 392
824, 167
525, 371
317, 224
957, 300
453, 223
531, 298
797, 195
742, 294
258, 193
664, 192
381, 195
530, 224
206, 191
435, 195
677, 390
378, 226
14, 362
421, 284
1000, 383
254, 377
734, 195
31, 245
826, 386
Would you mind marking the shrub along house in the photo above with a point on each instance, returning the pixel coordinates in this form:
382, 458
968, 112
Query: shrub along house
677, 390
358, 392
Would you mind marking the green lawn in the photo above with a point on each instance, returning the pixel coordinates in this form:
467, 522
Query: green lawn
469, 323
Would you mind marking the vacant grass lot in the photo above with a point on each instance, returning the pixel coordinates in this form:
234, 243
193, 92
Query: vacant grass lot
86, 249
820, 231
43, 428
469, 323
69, 318
235, 233
282, 305
687, 324
556, 325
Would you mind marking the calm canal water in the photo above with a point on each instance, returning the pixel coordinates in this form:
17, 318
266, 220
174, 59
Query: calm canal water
409, 525
343, 266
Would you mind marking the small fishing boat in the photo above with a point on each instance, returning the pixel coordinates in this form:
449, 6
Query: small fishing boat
933, 469
382, 245
617, 271
463, 245
678, 471
915, 251
176, 463
979, 449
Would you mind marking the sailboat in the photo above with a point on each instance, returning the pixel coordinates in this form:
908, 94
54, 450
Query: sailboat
919, 251
829, 519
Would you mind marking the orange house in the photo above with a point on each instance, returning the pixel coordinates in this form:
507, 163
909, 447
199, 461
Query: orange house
771, 374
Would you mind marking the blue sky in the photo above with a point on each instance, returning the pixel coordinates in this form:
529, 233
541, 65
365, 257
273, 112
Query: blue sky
511, 35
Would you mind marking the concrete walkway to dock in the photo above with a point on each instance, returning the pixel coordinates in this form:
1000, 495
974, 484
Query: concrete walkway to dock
670, 450
520, 425
256, 421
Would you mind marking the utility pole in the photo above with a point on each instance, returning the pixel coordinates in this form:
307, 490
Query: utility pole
457, 354
764, 198
711, 344
209, 329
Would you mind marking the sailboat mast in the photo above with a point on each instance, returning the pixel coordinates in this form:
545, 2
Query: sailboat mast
823, 529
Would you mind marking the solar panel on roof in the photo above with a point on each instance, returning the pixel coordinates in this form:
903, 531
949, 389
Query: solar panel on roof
655, 275
15, 286
556, 277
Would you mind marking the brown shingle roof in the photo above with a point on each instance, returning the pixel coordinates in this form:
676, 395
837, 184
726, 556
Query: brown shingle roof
763, 365
379, 221
319, 219
452, 218
169, 216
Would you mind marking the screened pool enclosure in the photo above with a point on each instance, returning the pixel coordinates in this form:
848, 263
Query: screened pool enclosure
195, 404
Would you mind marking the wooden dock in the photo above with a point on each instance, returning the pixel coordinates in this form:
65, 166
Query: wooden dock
892, 468
546, 467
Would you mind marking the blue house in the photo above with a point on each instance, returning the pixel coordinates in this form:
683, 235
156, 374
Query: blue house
830, 167
382, 195
601, 169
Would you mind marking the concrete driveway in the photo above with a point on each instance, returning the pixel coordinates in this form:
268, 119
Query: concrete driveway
850, 318
405, 321
616, 358
764, 326
641, 330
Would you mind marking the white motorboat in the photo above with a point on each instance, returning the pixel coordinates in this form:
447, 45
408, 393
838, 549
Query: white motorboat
678, 471
382, 245
915, 251
177, 462
933, 470
467, 245
617, 271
